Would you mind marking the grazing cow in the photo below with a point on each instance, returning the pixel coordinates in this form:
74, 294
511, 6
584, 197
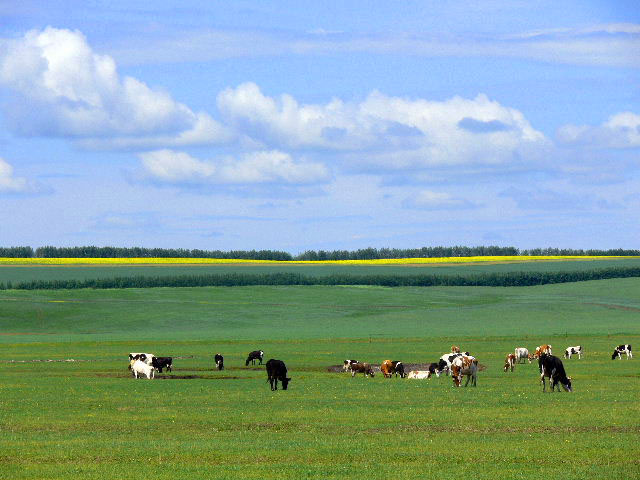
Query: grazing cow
455, 349
619, 350
546, 349
162, 362
419, 374
522, 354
277, 370
219, 359
144, 357
577, 350
139, 368
364, 368
347, 364
509, 362
434, 368
464, 365
253, 356
553, 368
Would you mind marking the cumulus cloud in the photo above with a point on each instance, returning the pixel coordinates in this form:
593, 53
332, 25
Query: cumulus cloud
430, 200
394, 132
621, 130
171, 167
67, 90
9, 183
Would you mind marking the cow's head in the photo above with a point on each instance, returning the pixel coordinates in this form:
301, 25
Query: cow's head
567, 386
285, 383
615, 354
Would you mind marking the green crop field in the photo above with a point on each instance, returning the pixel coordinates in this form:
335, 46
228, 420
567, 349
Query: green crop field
13, 273
69, 408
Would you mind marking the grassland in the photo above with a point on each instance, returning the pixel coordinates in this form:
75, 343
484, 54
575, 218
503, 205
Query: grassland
88, 419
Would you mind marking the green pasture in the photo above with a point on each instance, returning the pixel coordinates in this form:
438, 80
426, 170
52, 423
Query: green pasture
15, 273
87, 418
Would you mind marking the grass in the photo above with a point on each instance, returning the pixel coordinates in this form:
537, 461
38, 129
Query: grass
89, 419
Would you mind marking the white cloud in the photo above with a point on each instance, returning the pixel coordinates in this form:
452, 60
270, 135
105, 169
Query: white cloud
9, 183
168, 166
430, 200
612, 44
621, 130
388, 132
68, 90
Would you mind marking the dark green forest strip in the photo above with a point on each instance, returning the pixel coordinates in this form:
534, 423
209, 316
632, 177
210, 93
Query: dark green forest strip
313, 255
505, 279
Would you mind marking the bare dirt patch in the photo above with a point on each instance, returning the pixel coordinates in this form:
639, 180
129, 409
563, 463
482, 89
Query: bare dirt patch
407, 367
614, 306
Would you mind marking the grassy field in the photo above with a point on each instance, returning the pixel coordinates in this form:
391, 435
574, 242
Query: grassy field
87, 418
34, 271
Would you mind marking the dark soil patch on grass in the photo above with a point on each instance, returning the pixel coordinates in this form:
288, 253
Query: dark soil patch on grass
615, 307
407, 367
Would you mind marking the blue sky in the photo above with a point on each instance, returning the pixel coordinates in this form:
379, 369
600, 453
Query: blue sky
320, 125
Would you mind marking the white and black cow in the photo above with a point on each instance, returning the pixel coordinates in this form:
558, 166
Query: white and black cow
144, 357
444, 364
162, 362
253, 356
619, 350
577, 350
551, 366
346, 365
277, 370
219, 359
139, 368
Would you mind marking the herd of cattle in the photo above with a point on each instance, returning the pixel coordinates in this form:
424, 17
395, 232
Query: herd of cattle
456, 364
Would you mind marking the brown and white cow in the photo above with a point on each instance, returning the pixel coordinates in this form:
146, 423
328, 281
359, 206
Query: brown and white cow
455, 349
389, 367
542, 349
467, 366
419, 374
509, 362
364, 368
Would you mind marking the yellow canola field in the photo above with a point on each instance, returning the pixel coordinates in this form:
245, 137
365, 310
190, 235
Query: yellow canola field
218, 261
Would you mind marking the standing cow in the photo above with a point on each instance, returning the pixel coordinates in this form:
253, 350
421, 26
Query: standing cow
577, 350
467, 366
553, 368
522, 354
277, 370
619, 350
253, 356
162, 362
509, 362
139, 368
219, 359
346, 365
390, 367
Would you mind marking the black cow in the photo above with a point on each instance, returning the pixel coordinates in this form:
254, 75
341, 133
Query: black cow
253, 356
552, 367
162, 362
277, 370
219, 359
398, 368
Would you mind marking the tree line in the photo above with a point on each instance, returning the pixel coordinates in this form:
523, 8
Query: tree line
318, 255
503, 279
